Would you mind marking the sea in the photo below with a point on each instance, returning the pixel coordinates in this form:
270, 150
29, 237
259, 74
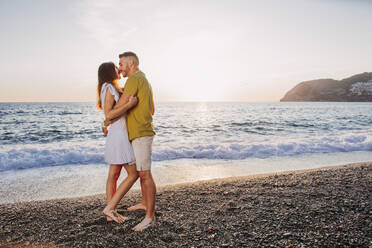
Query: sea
55, 150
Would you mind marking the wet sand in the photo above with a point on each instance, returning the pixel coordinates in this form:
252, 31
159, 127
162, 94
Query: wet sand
326, 207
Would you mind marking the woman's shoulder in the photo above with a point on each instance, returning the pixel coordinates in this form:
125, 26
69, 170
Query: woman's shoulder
111, 89
106, 86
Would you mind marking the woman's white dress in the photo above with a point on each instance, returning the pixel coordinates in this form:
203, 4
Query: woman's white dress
118, 149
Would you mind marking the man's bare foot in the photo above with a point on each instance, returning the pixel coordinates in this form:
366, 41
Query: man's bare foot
145, 223
113, 215
139, 206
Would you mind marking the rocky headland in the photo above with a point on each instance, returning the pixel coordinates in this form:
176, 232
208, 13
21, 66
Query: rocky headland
357, 88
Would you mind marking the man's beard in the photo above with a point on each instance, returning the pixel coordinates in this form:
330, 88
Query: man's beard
125, 72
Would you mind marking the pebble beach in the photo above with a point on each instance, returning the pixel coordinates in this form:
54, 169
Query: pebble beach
326, 207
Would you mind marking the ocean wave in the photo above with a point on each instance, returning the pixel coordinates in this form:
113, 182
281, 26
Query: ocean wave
31, 156
278, 147
3, 113
69, 113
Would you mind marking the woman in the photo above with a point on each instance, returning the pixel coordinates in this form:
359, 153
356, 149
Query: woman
118, 150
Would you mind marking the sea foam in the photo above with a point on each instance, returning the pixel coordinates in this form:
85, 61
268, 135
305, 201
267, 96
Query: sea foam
36, 155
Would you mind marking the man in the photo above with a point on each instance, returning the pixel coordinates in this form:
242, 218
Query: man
141, 132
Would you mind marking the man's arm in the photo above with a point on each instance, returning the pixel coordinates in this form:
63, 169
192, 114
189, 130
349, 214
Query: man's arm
125, 103
130, 90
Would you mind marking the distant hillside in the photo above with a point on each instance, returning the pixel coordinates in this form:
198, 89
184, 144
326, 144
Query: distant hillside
357, 88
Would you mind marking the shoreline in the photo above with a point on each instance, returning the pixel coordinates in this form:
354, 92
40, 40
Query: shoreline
68, 182
213, 180
263, 175
326, 206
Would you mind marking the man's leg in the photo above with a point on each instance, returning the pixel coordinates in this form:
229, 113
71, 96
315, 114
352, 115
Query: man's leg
149, 192
142, 148
149, 189
143, 201
142, 205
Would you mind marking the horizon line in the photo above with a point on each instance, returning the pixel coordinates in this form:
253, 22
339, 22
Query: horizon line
155, 101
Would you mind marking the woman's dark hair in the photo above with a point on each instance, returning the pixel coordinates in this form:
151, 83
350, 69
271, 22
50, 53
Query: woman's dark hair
106, 74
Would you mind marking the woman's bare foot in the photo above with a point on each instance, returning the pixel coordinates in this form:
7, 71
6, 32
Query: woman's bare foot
113, 215
121, 217
139, 206
145, 223
109, 219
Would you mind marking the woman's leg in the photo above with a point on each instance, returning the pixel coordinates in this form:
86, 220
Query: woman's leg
121, 191
113, 175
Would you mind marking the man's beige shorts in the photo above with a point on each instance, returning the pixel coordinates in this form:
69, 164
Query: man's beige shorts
142, 148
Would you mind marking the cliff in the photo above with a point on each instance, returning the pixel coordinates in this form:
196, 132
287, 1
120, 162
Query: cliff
357, 88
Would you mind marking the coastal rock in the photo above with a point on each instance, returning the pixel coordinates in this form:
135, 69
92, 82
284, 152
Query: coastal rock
357, 88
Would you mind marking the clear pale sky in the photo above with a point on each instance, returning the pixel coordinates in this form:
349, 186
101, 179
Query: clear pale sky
205, 50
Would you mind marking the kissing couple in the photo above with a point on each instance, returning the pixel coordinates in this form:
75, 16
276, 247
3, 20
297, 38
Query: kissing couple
129, 135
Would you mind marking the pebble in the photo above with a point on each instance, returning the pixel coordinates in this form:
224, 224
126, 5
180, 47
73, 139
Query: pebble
314, 207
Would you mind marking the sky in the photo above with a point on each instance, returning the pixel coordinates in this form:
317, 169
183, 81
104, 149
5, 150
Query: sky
204, 50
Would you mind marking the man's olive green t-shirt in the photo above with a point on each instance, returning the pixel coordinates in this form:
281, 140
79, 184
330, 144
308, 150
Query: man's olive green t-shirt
139, 118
